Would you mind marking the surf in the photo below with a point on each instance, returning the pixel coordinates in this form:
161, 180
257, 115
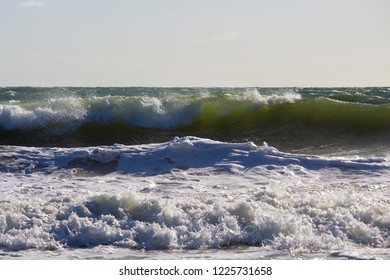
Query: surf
190, 193
291, 119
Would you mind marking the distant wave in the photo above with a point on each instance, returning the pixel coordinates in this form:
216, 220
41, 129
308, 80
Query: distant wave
90, 116
163, 111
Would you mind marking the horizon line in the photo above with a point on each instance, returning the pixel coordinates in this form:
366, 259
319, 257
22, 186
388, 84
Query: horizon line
190, 86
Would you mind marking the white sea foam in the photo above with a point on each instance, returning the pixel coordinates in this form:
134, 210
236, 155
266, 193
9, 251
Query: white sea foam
56, 113
191, 193
288, 96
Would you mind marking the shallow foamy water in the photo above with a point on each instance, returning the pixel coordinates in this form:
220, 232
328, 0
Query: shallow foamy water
191, 198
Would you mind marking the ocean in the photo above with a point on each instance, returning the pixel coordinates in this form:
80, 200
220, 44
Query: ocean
194, 173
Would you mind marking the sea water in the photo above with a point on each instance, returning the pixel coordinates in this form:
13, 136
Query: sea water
194, 173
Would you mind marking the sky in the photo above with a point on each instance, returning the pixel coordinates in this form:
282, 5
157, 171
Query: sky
202, 43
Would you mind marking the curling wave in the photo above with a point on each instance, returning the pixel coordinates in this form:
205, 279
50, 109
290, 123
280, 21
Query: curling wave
283, 117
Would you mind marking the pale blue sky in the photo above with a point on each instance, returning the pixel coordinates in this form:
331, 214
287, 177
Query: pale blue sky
195, 43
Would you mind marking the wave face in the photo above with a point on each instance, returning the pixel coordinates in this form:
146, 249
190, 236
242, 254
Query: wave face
289, 118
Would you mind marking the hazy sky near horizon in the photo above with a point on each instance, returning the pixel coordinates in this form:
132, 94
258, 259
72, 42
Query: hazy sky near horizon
194, 43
